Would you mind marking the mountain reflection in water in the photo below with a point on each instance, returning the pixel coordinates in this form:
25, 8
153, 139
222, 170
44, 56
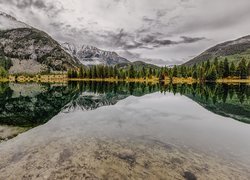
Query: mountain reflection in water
32, 104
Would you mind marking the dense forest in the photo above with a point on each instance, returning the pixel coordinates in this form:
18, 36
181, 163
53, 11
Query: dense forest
206, 71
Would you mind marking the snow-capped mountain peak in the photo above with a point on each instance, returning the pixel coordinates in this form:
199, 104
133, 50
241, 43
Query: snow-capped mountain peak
90, 55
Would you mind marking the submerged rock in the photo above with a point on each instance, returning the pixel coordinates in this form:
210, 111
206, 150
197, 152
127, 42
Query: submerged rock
127, 155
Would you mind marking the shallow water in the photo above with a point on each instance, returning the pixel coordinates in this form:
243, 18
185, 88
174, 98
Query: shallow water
100, 131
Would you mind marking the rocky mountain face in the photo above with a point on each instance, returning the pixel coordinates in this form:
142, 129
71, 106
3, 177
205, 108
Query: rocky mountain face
89, 55
234, 50
31, 50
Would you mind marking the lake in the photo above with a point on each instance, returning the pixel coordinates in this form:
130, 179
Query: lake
101, 130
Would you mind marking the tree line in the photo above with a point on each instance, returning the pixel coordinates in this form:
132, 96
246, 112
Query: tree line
205, 71
5, 64
102, 72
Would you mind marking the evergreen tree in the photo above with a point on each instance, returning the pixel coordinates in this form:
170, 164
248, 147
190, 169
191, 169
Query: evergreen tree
211, 74
81, 72
232, 69
3, 72
220, 69
216, 63
69, 73
143, 72
248, 69
195, 74
175, 71
207, 67
132, 72
201, 73
242, 69
226, 71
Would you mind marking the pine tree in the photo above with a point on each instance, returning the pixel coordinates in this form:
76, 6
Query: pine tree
216, 64
232, 69
207, 67
69, 73
201, 73
3, 72
195, 75
211, 74
242, 69
81, 73
220, 69
248, 69
226, 71
132, 72
175, 71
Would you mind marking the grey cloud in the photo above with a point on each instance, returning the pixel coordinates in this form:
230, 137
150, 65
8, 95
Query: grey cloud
133, 56
166, 29
191, 39
57, 24
129, 55
156, 42
50, 8
162, 12
148, 20
161, 62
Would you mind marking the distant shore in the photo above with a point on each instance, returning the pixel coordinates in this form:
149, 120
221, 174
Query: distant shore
63, 78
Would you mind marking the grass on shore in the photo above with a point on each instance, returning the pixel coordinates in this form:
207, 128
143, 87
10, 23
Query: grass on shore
64, 78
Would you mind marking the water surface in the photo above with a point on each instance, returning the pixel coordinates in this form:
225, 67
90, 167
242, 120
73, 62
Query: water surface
121, 130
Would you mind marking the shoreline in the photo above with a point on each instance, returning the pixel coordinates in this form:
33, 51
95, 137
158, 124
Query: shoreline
9, 132
64, 78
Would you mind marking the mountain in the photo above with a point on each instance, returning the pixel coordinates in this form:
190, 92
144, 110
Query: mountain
9, 22
137, 65
31, 50
89, 55
232, 50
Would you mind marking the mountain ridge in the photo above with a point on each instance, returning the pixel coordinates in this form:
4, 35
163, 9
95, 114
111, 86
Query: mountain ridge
31, 50
234, 50
8, 22
90, 55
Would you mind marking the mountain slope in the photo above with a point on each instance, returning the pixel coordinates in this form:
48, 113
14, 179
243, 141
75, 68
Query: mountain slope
138, 65
31, 50
9, 22
234, 50
89, 55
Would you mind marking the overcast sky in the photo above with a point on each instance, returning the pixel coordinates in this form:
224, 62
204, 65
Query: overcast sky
156, 31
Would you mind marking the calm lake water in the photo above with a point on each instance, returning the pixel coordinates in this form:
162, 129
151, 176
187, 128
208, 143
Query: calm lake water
101, 130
